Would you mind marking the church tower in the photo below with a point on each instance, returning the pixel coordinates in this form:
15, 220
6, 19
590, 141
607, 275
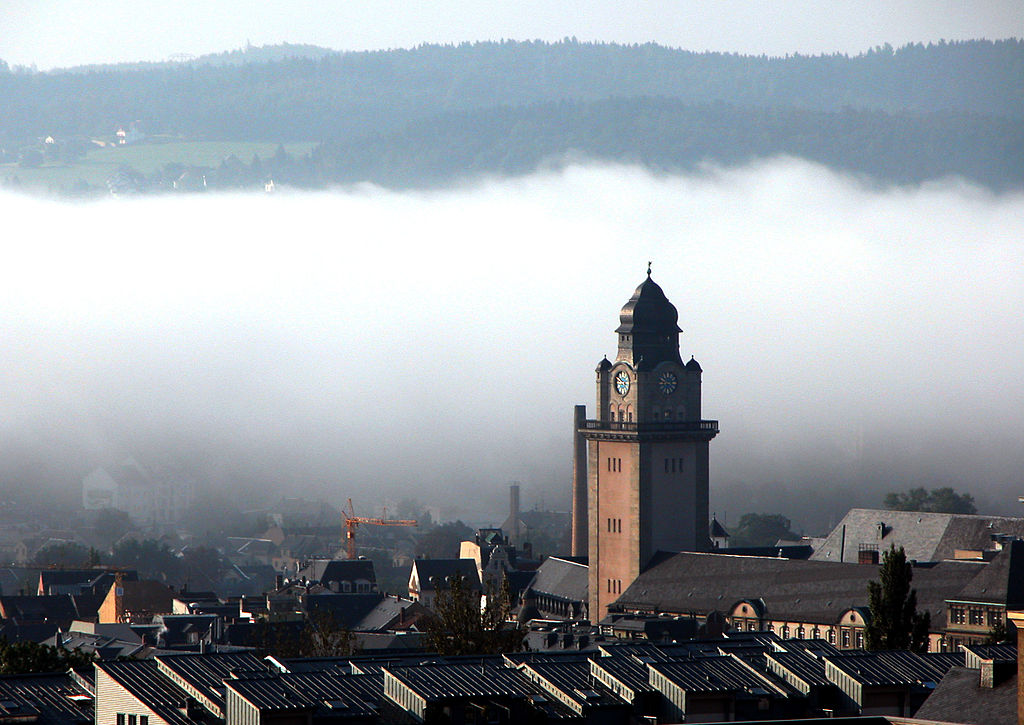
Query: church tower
646, 464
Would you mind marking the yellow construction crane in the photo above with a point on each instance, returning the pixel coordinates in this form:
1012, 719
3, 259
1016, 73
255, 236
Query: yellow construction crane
352, 522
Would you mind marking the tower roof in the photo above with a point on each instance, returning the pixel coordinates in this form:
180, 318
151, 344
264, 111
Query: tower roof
648, 311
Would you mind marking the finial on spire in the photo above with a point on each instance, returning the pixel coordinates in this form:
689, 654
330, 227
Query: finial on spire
648, 268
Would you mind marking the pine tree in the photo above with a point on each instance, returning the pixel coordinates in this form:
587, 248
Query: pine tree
895, 622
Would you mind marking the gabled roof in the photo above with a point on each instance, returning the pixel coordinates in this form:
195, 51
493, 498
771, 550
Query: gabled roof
924, 536
144, 681
426, 570
347, 610
339, 570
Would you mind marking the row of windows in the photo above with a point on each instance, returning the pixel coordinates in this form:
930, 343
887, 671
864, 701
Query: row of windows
615, 464
674, 465
614, 586
617, 413
142, 719
614, 526
975, 616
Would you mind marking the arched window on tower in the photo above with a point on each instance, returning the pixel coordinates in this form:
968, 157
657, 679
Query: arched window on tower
629, 413
655, 413
680, 413
621, 414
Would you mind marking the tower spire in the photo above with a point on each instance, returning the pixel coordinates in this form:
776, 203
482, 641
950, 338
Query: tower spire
648, 268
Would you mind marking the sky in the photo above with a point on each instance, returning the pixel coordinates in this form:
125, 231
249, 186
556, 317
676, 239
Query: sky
60, 33
370, 343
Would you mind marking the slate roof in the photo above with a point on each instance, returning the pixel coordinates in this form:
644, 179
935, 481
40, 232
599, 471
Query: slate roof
959, 698
339, 570
795, 589
61, 609
389, 612
923, 536
347, 610
562, 578
1001, 581
427, 569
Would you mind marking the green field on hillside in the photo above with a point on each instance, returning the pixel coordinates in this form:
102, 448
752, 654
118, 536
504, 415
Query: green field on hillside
96, 166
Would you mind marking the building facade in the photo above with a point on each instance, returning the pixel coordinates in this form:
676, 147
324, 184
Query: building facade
646, 464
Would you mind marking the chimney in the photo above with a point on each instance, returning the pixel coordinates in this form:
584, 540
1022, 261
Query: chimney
996, 672
513, 506
579, 483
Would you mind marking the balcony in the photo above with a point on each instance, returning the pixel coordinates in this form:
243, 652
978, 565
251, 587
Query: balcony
661, 426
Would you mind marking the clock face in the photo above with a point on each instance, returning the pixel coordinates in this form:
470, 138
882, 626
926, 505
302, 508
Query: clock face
622, 382
667, 383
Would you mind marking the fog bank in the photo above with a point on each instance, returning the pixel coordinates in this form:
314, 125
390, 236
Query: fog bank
374, 344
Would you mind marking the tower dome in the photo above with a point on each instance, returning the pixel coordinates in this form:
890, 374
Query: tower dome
648, 327
649, 311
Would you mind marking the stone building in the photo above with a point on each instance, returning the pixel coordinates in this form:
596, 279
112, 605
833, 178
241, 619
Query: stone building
642, 485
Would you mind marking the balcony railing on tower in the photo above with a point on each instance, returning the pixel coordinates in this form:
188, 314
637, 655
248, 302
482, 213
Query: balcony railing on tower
661, 426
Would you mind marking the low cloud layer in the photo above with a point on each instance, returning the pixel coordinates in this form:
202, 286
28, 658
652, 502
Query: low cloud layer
374, 344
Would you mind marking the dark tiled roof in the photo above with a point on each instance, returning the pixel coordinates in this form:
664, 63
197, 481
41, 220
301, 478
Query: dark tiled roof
627, 671
894, 667
573, 680
562, 578
205, 673
1001, 581
810, 591
428, 569
803, 666
347, 610
339, 570
331, 695
154, 689
59, 608
960, 698
715, 674
447, 682
56, 699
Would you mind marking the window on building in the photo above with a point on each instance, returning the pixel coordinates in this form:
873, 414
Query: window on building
815, 633
860, 639
800, 633
957, 615
771, 627
831, 636
994, 617
977, 616
131, 720
751, 627
143, 719
846, 639
120, 718
785, 631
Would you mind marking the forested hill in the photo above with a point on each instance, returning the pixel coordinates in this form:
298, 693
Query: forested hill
502, 100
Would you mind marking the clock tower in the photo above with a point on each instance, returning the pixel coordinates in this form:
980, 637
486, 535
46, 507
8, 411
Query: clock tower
645, 468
